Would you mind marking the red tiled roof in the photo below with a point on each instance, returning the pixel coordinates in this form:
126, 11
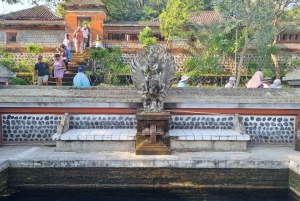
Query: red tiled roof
84, 2
205, 17
35, 13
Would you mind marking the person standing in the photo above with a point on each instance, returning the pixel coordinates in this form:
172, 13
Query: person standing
80, 79
78, 38
184, 80
230, 83
86, 35
59, 67
66, 55
68, 42
43, 70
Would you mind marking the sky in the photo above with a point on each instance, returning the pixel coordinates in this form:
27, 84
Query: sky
6, 8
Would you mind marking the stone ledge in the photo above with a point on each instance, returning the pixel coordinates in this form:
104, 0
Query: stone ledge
203, 135
99, 134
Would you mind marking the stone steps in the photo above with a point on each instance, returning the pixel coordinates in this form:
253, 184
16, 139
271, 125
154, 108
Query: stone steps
158, 148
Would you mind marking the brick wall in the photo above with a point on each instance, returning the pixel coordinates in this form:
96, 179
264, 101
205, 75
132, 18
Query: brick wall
97, 19
148, 178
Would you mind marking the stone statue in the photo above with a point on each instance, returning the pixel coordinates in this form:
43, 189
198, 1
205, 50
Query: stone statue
153, 71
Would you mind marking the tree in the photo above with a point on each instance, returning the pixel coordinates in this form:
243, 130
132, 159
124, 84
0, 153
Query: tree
175, 18
146, 37
278, 15
255, 16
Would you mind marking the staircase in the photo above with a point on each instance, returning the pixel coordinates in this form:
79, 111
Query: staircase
158, 148
76, 60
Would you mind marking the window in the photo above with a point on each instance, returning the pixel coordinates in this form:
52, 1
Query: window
12, 38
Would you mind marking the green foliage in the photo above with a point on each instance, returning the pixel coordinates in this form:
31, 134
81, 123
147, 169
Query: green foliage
6, 59
111, 64
145, 37
35, 49
295, 63
252, 67
17, 81
199, 66
174, 18
60, 11
292, 14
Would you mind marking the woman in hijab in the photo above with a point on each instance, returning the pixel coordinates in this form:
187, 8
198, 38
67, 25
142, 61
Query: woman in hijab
256, 81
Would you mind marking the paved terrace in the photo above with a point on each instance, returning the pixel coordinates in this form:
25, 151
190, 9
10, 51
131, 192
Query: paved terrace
261, 157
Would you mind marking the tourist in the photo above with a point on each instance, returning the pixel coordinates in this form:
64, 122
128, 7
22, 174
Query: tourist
183, 81
267, 82
198, 83
81, 80
86, 34
99, 43
58, 67
230, 83
66, 55
44, 71
68, 42
256, 81
78, 38
276, 84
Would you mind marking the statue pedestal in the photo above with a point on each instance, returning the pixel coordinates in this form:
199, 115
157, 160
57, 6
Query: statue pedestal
151, 138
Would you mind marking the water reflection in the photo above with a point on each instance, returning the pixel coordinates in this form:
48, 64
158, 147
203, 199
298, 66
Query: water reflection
147, 195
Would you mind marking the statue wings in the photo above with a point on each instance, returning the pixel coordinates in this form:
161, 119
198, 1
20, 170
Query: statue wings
147, 58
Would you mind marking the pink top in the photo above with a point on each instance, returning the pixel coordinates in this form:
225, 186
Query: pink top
256, 80
58, 69
78, 36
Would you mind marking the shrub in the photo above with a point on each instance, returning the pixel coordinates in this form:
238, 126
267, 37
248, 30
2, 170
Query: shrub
17, 81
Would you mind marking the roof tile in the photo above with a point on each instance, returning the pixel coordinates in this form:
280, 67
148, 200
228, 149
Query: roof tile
35, 13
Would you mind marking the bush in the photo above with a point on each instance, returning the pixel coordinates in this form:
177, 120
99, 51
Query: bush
35, 49
17, 81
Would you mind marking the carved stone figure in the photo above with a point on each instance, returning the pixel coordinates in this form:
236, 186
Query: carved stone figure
153, 71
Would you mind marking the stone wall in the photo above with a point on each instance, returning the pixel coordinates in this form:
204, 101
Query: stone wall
107, 177
227, 64
48, 38
262, 129
20, 56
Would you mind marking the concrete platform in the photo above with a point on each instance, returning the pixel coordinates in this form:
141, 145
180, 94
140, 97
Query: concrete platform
196, 140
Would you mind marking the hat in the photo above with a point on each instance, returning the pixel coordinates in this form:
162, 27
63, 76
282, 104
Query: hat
63, 45
267, 79
232, 79
277, 82
81, 69
67, 34
184, 78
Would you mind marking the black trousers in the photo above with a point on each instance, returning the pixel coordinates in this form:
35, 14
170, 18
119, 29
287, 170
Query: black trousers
66, 64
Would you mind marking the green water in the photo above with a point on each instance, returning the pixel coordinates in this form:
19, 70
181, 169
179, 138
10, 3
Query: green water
145, 195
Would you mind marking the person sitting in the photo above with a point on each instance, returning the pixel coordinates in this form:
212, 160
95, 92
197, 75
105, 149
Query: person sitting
267, 82
230, 83
276, 84
256, 80
184, 80
198, 83
80, 79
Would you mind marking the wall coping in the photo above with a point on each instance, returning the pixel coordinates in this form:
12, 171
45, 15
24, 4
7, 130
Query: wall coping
66, 96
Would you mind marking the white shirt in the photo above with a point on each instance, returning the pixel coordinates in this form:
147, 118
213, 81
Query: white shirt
266, 86
85, 32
